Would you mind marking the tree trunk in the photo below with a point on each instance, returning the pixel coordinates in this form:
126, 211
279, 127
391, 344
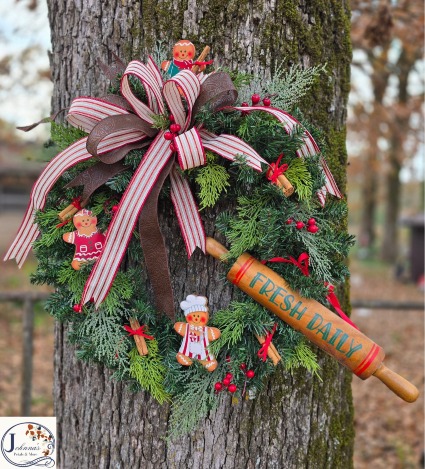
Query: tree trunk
298, 421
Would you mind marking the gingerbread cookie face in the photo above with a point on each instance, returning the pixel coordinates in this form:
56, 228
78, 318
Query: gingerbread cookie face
196, 334
88, 240
184, 50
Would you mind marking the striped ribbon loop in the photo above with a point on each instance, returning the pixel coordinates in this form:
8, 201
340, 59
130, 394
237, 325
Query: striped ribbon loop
144, 74
85, 112
187, 213
309, 148
190, 151
188, 84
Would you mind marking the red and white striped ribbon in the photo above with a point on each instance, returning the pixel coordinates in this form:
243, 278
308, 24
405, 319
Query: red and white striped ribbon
125, 219
190, 150
229, 146
28, 230
189, 85
309, 148
148, 78
85, 112
187, 213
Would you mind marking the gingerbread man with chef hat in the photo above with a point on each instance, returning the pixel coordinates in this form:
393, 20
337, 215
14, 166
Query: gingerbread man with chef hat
196, 334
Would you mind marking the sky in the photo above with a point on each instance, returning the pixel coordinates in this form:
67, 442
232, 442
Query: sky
24, 98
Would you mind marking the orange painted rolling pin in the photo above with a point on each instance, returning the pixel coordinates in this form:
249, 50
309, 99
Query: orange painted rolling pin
320, 325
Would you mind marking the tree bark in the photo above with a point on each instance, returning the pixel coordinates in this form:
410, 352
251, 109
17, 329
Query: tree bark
298, 421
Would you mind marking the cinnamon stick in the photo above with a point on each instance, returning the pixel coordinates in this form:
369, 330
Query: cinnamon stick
272, 353
204, 53
139, 340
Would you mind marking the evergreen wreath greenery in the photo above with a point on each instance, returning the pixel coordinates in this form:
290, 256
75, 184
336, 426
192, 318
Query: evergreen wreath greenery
258, 225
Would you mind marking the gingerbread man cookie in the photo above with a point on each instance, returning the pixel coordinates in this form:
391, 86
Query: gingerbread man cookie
183, 58
87, 239
196, 334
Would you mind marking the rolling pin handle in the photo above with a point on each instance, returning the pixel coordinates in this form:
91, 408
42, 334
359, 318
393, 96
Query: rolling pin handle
398, 385
217, 250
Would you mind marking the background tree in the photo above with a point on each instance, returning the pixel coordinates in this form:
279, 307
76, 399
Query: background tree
388, 39
298, 420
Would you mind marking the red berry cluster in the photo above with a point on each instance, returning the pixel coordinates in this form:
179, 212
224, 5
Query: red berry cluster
248, 373
77, 308
299, 225
255, 99
227, 381
232, 388
172, 133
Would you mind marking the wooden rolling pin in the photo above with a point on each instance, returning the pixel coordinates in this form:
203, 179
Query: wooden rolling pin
320, 325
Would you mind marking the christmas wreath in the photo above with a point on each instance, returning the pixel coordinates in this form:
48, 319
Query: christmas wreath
197, 140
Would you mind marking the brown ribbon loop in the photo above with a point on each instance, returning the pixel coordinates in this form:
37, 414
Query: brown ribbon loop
217, 91
118, 101
94, 177
113, 124
154, 250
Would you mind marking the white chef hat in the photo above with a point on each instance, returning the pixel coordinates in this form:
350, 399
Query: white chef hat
83, 213
194, 303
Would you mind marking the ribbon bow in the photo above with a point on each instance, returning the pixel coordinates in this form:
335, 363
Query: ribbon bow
262, 353
302, 263
117, 125
275, 170
139, 331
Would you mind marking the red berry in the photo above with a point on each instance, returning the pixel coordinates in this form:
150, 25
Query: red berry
250, 374
168, 136
77, 308
245, 104
267, 101
228, 359
232, 388
218, 386
312, 221
229, 376
255, 98
115, 208
175, 128
289, 221
171, 118
226, 381
243, 366
299, 225
313, 228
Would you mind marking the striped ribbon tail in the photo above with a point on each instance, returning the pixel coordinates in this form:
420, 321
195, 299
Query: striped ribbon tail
28, 230
229, 147
187, 213
119, 233
309, 147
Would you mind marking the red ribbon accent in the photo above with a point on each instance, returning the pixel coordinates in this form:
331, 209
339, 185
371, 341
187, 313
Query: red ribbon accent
140, 331
183, 65
262, 353
275, 170
59, 225
302, 262
77, 203
333, 300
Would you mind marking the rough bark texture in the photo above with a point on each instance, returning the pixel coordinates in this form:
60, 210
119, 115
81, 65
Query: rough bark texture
298, 421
